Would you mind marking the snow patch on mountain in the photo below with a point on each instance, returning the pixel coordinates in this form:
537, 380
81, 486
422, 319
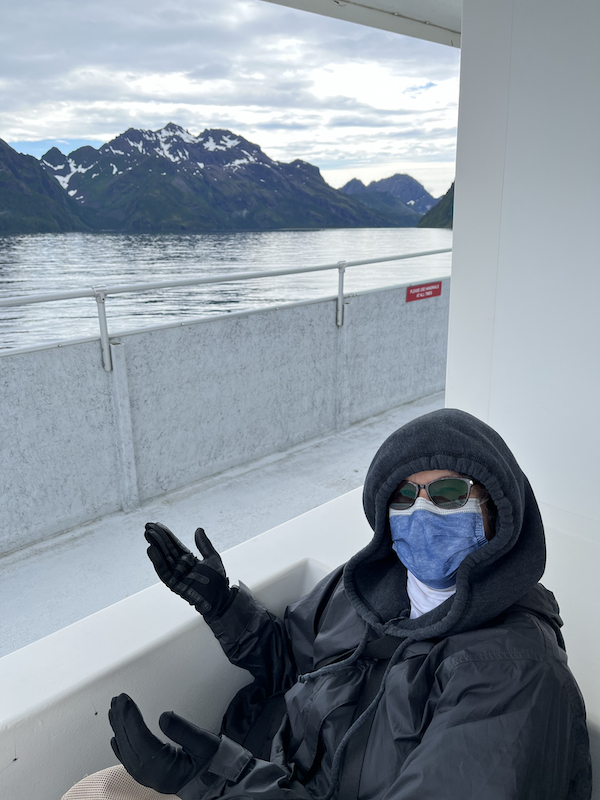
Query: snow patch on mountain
228, 141
174, 130
238, 162
73, 169
165, 151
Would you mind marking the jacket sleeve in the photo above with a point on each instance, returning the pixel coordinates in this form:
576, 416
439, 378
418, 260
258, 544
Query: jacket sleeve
234, 773
503, 728
273, 650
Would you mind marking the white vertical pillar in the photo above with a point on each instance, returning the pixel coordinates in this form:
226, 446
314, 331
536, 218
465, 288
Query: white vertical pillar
524, 312
481, 146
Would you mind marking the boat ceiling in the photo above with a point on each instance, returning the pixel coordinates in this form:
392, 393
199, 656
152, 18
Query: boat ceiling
434, 20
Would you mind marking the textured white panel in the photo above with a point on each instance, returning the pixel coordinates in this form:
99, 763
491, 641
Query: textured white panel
524, 322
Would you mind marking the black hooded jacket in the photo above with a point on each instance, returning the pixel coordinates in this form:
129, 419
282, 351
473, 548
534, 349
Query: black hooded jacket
472, 701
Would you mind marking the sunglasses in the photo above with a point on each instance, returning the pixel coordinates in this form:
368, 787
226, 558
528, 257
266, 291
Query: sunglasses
444, 492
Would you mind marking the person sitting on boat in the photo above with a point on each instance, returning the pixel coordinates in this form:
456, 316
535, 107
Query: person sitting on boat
430, 665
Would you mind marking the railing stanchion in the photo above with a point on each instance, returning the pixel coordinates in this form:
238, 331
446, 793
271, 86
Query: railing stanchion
100, 293
340, 299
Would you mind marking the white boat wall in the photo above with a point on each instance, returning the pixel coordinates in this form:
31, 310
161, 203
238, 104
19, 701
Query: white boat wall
182, 402
522, 355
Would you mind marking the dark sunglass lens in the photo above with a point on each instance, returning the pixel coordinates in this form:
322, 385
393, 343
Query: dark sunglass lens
449, 492
405, 495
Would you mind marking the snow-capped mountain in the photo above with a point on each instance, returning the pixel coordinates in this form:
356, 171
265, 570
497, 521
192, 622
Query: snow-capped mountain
192, 154
172, 180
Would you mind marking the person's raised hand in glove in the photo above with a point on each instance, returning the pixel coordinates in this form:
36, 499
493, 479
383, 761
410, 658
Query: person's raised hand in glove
151, 762
202, 583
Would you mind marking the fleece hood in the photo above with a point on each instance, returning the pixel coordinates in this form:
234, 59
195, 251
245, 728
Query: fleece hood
503, 572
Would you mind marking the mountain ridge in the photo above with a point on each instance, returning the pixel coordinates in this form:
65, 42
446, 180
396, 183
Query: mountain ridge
403, 187
171, 180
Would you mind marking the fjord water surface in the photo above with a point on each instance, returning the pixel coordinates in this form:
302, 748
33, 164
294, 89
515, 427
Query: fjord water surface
35, 263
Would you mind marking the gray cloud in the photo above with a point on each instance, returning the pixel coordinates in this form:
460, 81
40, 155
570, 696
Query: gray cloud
248, 65
45, 40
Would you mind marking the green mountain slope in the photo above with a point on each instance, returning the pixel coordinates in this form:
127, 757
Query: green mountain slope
30, 200
388, 205
402, 187
441, 215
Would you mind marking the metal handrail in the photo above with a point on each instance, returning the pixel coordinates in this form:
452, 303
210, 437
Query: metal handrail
100, 293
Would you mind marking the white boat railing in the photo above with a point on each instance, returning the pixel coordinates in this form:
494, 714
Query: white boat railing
100, 293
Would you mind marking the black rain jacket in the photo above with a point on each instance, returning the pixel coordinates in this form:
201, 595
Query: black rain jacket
476, 701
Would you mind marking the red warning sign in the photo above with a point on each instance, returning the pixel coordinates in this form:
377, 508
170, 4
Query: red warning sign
423, 290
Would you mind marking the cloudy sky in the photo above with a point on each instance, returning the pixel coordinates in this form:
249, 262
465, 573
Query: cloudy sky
354, 101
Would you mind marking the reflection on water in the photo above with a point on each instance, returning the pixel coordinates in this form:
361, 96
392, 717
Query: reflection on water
34, 263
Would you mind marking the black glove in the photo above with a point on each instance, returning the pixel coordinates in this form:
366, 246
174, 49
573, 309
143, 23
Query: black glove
153, 763
202, 583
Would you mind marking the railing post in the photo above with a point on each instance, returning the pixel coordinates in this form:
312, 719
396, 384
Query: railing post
124, 430
100, 293
340, 299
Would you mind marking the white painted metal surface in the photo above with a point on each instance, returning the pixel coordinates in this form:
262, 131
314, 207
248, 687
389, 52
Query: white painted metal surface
524, 322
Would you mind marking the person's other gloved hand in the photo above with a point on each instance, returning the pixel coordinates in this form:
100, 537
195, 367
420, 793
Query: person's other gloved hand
159, 765
202, 583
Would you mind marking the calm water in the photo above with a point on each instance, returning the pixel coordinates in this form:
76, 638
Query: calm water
35, 263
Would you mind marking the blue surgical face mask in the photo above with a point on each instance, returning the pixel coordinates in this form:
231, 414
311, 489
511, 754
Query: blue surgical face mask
432, 542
